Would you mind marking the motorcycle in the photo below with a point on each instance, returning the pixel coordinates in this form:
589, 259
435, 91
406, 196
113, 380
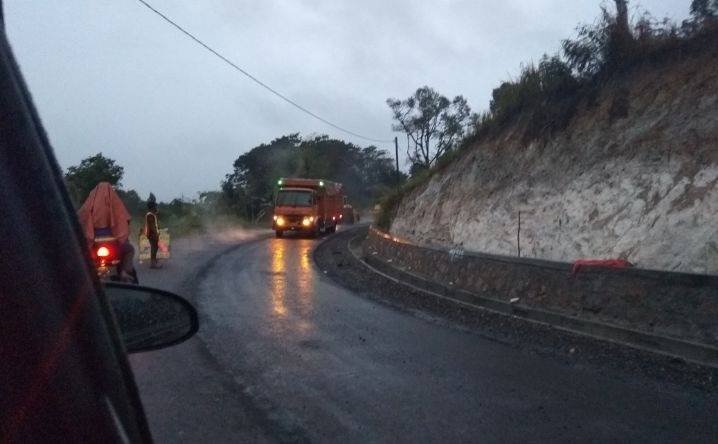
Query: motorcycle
106, 254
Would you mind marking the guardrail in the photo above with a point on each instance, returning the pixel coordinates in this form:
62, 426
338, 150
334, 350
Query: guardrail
672, 313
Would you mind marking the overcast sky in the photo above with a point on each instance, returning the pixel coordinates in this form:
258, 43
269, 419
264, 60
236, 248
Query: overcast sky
109, 76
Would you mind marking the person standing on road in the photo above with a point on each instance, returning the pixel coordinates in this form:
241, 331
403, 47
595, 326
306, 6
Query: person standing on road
152, 231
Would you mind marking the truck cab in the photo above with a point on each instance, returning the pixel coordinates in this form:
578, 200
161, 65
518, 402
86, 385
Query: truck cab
308, 206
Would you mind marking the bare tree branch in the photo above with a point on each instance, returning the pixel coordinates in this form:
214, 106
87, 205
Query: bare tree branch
432, 123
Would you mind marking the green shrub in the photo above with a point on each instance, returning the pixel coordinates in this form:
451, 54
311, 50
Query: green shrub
546, 96
390, 202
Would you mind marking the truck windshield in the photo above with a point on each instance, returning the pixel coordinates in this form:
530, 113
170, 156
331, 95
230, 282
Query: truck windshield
291, 198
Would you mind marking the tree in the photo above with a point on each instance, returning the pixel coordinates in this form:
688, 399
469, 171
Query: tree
364, 172
213, 202
621, 43
132, 201
622, 17
417, 168
604, 47
544, 95
704, 9
704, 14
255, 173
432, 123
376, 169
82, 178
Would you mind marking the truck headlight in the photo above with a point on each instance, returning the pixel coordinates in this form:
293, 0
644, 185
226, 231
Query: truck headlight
307, 221
279, 220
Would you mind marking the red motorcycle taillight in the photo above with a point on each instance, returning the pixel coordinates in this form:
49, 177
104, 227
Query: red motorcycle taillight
103, 252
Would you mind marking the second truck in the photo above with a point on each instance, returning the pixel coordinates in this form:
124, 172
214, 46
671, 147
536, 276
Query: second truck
309, 206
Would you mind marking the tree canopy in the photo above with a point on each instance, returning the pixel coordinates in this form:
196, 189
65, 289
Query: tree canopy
82, 178
365, 172
432, 123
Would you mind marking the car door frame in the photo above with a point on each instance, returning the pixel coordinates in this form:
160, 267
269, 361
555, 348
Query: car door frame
64, 371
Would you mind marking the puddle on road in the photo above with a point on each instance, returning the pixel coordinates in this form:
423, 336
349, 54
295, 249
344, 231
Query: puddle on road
291, 277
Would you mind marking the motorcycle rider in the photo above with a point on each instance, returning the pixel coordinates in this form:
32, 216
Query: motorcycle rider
104, 214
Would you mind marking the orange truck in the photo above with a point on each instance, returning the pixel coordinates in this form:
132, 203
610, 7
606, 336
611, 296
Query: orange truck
307, 205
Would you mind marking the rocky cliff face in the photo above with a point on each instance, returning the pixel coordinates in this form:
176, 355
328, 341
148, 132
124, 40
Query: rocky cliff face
643, 187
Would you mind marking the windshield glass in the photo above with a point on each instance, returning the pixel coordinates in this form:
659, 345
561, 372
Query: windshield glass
287, 198
370, 205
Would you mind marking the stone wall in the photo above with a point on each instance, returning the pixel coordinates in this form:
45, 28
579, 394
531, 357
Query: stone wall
675, 305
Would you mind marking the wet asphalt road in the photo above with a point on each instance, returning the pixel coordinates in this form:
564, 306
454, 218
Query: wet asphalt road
300, 358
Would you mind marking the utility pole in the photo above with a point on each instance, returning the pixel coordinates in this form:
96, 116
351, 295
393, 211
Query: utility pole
518, 237
396, 149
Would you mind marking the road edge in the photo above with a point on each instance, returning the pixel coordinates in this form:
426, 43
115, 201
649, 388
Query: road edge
621, 337
674, 348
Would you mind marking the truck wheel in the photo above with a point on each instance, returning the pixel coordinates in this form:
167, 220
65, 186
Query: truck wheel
316, 231
279, 233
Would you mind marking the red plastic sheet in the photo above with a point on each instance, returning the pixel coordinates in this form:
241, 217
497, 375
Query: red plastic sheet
604, 263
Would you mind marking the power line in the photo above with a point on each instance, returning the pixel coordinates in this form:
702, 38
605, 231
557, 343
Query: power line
255, 79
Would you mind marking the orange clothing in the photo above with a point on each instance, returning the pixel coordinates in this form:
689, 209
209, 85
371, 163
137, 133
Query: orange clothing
103, 208
152, 227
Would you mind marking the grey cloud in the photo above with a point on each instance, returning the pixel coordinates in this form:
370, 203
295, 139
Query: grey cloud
108, 76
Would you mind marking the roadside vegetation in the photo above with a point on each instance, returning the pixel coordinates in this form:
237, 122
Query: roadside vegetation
366, 173
432, 124
544, 97
246, 194
180, 216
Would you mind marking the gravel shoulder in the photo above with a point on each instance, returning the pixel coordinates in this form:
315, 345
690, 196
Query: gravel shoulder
335, 259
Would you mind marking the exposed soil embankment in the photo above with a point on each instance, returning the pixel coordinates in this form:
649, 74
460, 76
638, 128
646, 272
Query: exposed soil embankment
641, 187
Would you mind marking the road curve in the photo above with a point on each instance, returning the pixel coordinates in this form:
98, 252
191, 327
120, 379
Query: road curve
320, 363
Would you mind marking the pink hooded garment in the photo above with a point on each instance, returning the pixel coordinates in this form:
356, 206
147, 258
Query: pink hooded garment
103, 208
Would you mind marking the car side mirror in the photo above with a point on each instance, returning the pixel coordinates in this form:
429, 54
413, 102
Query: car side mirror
149, 318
